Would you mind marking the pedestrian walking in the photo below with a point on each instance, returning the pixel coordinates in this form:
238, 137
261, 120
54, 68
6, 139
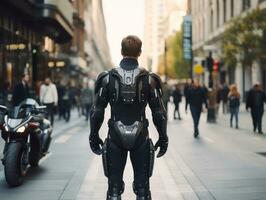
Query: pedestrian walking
186, 88
224, 97
177, 98
196, 97
60, 90
49, 97
21, 90
234, 103
77, 99
87, 99
166, 95
67, 102
218, 98
255, 101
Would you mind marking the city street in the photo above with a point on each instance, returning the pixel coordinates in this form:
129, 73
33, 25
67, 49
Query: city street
222, 164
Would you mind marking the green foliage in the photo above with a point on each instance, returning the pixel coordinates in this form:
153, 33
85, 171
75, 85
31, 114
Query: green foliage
177, 67
245, 35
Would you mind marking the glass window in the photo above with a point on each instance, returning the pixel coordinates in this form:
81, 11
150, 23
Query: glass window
224, 10
211, 24
218, 12
246, 4
232, 8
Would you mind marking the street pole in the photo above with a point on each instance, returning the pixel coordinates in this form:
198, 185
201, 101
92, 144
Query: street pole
211, 116
165, 61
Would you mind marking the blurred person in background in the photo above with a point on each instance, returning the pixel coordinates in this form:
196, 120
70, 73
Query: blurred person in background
224, 97
186, 88
166, 95
177, 98
49, 97
60, 90
196, 97
234, 103
6, 95
77, 97
87, 99
218, 98
21, 90
255, 101
67, 100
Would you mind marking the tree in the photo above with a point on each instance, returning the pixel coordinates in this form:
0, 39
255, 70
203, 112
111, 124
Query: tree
177, 67
246, 36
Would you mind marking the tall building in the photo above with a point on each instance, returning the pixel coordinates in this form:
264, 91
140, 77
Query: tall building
97, 45
29, 32
162, 18
209, 19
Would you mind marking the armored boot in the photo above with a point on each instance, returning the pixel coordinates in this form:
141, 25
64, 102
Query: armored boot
115, 190
113, 196
146, 196
142, 191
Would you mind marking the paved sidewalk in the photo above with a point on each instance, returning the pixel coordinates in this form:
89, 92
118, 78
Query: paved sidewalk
222, 164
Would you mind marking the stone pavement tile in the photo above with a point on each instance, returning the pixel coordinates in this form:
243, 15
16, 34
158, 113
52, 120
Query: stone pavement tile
30, 195
241, 196
162, 184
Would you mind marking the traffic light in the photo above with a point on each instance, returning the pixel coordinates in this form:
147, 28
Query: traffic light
209, 62
216, 66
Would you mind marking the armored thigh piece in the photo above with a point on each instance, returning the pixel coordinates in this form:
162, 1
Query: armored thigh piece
114, 161
143, 161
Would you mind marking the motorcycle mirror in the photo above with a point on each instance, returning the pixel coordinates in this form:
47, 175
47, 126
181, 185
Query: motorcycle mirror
3, 109
41, 107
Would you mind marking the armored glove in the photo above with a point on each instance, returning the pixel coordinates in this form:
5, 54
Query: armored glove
163, 144
96, 144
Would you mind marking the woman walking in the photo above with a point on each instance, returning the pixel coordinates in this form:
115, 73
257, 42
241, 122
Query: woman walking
234, 103
177, 97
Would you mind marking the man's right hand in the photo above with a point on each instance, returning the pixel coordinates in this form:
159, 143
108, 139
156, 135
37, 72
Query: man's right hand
96, 144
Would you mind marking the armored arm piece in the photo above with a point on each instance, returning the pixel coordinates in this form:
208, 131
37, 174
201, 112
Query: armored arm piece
159, 114
97, 111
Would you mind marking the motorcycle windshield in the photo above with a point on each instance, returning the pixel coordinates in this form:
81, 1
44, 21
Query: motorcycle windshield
29, 102
23, 109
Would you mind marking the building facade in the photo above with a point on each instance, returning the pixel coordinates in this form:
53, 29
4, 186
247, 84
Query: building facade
96, 44
209, 21
29, 32
162, 19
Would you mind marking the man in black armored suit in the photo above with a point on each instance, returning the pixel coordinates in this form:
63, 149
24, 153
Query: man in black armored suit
128, 89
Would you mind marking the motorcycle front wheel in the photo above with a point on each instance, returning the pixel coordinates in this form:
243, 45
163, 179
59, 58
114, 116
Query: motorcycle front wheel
15, 164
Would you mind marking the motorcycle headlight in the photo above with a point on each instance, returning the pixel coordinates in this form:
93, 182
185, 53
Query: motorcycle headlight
21, 129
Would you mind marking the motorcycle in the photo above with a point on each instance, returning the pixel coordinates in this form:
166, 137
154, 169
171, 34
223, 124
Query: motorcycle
27, 134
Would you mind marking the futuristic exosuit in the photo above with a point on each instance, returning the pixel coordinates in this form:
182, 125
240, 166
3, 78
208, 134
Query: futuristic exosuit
128, 92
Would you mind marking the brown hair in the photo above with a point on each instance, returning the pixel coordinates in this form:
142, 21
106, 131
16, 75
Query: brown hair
131, 46
234, 91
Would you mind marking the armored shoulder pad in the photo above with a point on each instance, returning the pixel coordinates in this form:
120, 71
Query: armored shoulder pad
155, 81
102, 80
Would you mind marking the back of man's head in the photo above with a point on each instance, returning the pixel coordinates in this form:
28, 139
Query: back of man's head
131, 46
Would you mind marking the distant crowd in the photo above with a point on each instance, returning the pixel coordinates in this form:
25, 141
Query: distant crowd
59, 98
228, 97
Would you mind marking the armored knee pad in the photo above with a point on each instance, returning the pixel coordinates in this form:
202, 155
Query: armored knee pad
142, 190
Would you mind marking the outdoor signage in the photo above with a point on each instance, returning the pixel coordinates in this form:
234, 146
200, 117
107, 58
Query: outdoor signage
187, 37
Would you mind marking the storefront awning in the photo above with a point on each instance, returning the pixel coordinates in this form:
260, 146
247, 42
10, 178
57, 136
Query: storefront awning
52, 18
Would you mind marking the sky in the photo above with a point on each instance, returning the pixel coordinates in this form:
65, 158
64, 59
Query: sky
123, 17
